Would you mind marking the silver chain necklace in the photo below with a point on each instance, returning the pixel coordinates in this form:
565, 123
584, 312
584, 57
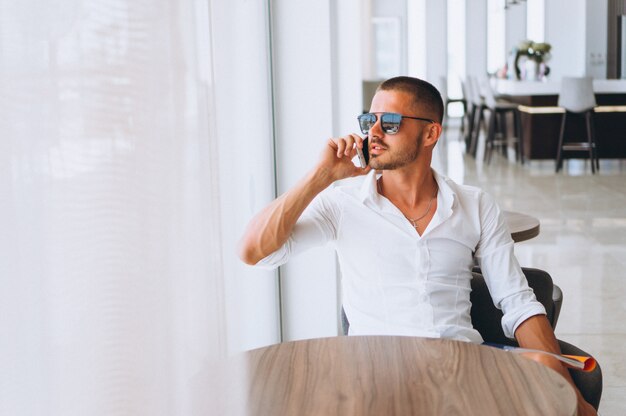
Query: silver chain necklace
413, 221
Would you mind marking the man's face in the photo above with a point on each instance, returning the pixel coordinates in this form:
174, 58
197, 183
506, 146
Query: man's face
389, 151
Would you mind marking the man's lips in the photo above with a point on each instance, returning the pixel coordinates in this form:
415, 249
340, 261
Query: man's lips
376, 148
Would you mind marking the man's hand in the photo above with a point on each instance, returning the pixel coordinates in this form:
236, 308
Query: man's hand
536, 333
584, 408
336, 158
271, 227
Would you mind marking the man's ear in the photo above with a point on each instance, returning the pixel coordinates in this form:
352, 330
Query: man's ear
433, 132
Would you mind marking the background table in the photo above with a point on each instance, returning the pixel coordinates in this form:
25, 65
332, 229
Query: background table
541, 117
522, 227
379, 375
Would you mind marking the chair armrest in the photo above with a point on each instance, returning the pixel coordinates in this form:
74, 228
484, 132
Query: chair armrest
557, 298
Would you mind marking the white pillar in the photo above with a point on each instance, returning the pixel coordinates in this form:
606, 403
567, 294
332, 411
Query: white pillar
246, 174
316, 96
416, 32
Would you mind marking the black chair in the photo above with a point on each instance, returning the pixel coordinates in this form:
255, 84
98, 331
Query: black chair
486, 318
475, 119
443, 90
497, 132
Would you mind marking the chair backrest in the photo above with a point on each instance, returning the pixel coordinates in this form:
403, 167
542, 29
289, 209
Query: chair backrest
576, 94
474, 91
487, 92
486, 318
464, 91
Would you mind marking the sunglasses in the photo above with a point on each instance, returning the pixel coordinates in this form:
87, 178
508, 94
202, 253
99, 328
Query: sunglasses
389, 122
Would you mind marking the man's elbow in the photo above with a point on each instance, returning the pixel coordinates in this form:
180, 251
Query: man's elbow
248, 254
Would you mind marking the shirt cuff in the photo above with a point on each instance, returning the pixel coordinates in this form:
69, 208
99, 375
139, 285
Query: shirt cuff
512, 319
277, 258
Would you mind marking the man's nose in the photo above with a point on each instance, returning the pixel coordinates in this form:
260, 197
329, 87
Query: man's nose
376, 130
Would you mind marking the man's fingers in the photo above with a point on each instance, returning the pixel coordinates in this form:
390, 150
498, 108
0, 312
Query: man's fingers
341, 147
346, 145
349, 151
358, 140
353, 140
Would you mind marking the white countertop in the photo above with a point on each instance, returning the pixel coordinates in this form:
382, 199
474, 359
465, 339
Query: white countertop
510, 87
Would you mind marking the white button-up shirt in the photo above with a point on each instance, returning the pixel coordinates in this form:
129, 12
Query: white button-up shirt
396, 282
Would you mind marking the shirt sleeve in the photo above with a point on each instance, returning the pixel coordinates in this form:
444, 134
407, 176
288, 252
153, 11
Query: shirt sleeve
504, 277
316, 226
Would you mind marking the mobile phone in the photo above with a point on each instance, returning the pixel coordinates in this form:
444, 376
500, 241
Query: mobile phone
363, 154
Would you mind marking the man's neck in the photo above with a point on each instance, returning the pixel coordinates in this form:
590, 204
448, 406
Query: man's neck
408, 188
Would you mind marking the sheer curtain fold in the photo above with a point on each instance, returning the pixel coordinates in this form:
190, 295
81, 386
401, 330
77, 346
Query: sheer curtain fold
111, 277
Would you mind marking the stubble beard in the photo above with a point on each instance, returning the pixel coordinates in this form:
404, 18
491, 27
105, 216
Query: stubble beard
402, 159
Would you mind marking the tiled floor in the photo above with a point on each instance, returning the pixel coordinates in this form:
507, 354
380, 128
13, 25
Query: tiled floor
582, 244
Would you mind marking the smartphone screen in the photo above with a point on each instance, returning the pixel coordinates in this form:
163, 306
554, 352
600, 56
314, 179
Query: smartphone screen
363, 154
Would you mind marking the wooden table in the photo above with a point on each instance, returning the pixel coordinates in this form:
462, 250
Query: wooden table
522, 227
384, 375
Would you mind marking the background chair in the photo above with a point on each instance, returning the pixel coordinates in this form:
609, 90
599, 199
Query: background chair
577, 98
486, 318
497, 132
547, 293
443, 89
476, 115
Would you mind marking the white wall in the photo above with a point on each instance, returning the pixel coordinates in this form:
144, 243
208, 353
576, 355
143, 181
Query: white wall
515, 26
596, 36
436, 41
568, 46
476, 37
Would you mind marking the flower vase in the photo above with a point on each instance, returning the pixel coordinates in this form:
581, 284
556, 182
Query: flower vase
532, 70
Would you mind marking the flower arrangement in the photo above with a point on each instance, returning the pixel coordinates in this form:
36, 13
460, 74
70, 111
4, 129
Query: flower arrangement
538, 51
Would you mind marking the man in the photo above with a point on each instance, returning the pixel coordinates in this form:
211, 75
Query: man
406, 239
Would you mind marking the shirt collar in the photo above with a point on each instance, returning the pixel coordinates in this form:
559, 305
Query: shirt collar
446, 198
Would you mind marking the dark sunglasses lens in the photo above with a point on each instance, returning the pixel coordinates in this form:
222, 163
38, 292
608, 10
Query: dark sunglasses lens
390, 122
366, 121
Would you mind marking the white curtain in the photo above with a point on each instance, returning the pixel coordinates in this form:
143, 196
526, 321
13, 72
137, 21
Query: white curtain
111, 271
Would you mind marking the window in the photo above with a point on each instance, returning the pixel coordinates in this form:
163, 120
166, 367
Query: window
387, 57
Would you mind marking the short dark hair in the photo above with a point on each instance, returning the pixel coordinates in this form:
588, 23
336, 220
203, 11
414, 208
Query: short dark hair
424, 93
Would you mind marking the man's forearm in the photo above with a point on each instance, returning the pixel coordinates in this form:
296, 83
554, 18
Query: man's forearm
536, 333
271, 227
